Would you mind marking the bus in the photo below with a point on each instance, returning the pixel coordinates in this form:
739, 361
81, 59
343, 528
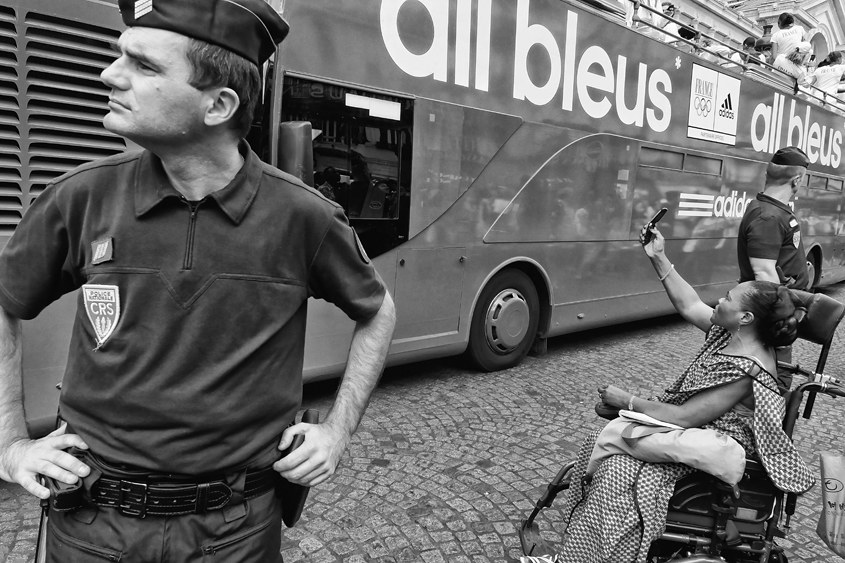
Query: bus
497, 160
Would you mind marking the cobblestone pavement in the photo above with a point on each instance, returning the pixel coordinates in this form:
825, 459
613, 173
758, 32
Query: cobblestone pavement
447, 460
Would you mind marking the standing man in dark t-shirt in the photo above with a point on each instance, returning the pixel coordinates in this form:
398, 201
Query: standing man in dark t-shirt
769, 245
194, 263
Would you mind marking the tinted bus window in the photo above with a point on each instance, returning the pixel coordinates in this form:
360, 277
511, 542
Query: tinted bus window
834, 185
702, 164
582, 193
818, 182
362, 155
661, 158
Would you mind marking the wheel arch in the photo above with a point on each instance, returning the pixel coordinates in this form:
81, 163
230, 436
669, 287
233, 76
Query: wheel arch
538, 276
817, 254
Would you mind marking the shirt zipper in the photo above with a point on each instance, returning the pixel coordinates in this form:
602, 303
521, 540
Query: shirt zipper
189, 245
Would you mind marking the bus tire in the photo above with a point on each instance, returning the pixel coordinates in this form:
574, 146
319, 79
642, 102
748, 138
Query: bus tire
812, 268
505, 321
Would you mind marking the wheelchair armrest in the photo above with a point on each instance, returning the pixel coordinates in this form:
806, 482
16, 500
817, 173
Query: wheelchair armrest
606, 411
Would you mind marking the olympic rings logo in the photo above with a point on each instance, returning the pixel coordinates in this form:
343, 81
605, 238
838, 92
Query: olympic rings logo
703, 106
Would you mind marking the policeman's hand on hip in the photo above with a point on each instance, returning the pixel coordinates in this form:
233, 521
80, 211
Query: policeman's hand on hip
317, 458
24, 460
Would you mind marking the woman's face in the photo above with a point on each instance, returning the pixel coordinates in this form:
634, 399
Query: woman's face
730, 309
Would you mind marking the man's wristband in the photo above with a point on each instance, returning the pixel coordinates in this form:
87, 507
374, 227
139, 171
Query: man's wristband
666, 275
631, 403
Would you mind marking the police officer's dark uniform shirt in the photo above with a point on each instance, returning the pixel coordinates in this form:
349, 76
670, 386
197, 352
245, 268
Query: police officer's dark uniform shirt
769, 230
187, 347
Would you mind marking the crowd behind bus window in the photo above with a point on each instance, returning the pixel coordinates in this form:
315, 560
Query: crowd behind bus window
788, 50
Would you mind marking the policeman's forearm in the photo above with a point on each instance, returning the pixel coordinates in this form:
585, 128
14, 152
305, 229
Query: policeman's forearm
764, 270
370, 344
12, 423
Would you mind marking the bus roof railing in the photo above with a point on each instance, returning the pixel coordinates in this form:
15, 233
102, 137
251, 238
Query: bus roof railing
816, 94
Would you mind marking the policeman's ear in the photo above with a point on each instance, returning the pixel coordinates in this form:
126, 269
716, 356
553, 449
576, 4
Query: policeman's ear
795, 183
221, 104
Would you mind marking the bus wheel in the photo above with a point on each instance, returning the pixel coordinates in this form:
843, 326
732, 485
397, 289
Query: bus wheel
811, 270
505, 321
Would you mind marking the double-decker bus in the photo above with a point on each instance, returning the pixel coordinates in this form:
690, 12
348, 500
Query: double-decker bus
497, 159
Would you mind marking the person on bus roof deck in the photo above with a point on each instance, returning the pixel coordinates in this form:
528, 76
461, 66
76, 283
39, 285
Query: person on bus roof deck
828, 74
769, 245
187, 352
749, 53
794, 63
788, 35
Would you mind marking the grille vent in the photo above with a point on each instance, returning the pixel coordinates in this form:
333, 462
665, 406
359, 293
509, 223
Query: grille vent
51, 103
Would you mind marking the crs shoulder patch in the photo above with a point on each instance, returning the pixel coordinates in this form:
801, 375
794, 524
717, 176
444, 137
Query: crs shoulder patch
102, 305
796, 238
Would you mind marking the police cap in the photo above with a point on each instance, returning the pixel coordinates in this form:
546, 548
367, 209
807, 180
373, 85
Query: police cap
250, 28
791, 156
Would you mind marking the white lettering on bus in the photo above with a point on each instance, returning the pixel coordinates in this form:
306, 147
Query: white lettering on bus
597, 83
434, 61
821, 144
730, 206
701, 205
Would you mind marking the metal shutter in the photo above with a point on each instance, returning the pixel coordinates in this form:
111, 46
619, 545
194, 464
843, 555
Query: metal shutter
51, 98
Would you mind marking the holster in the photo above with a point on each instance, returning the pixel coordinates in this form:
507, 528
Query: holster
64, 497
293, 496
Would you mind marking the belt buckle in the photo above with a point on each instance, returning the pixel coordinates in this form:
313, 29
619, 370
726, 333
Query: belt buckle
132, 499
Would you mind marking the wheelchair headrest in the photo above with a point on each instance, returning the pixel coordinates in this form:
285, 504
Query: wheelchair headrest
823, 316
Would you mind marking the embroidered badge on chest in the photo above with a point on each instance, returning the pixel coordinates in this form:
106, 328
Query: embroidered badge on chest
102, 250
102, 304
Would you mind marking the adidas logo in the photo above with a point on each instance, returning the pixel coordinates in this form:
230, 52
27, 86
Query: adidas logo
727, 108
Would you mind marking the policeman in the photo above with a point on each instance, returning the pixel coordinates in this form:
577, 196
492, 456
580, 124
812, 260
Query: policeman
194, 262
769, 245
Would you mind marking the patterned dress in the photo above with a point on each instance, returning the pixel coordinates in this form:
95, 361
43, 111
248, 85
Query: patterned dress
615, 517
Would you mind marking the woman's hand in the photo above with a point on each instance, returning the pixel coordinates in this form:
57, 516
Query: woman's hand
655, 245
614, 396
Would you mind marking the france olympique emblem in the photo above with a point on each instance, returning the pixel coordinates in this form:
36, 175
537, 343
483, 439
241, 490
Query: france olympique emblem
102, 304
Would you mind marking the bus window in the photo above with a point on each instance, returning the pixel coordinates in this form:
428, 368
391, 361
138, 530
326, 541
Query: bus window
834, 185
702, 164
818, 183
362, 155
582, 193
817, 210
661, 158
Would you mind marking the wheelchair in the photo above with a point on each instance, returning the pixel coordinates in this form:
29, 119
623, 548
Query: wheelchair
709, 521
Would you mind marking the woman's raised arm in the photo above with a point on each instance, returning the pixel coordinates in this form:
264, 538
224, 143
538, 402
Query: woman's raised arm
682, 295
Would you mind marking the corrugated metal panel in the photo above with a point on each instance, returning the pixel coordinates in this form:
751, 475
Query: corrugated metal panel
51, 98
11, 169
65, 99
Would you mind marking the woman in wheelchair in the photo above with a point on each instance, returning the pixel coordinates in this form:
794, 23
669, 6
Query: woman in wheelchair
728, 394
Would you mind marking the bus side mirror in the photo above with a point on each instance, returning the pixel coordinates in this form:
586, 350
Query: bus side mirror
296, 154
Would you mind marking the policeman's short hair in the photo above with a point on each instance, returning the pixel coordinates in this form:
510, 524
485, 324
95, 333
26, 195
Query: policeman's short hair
216, 67
782, 173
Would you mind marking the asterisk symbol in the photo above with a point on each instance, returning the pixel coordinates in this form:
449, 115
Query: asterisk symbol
677, 62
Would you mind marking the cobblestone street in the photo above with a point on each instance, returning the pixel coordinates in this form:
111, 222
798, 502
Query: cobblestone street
447, 460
